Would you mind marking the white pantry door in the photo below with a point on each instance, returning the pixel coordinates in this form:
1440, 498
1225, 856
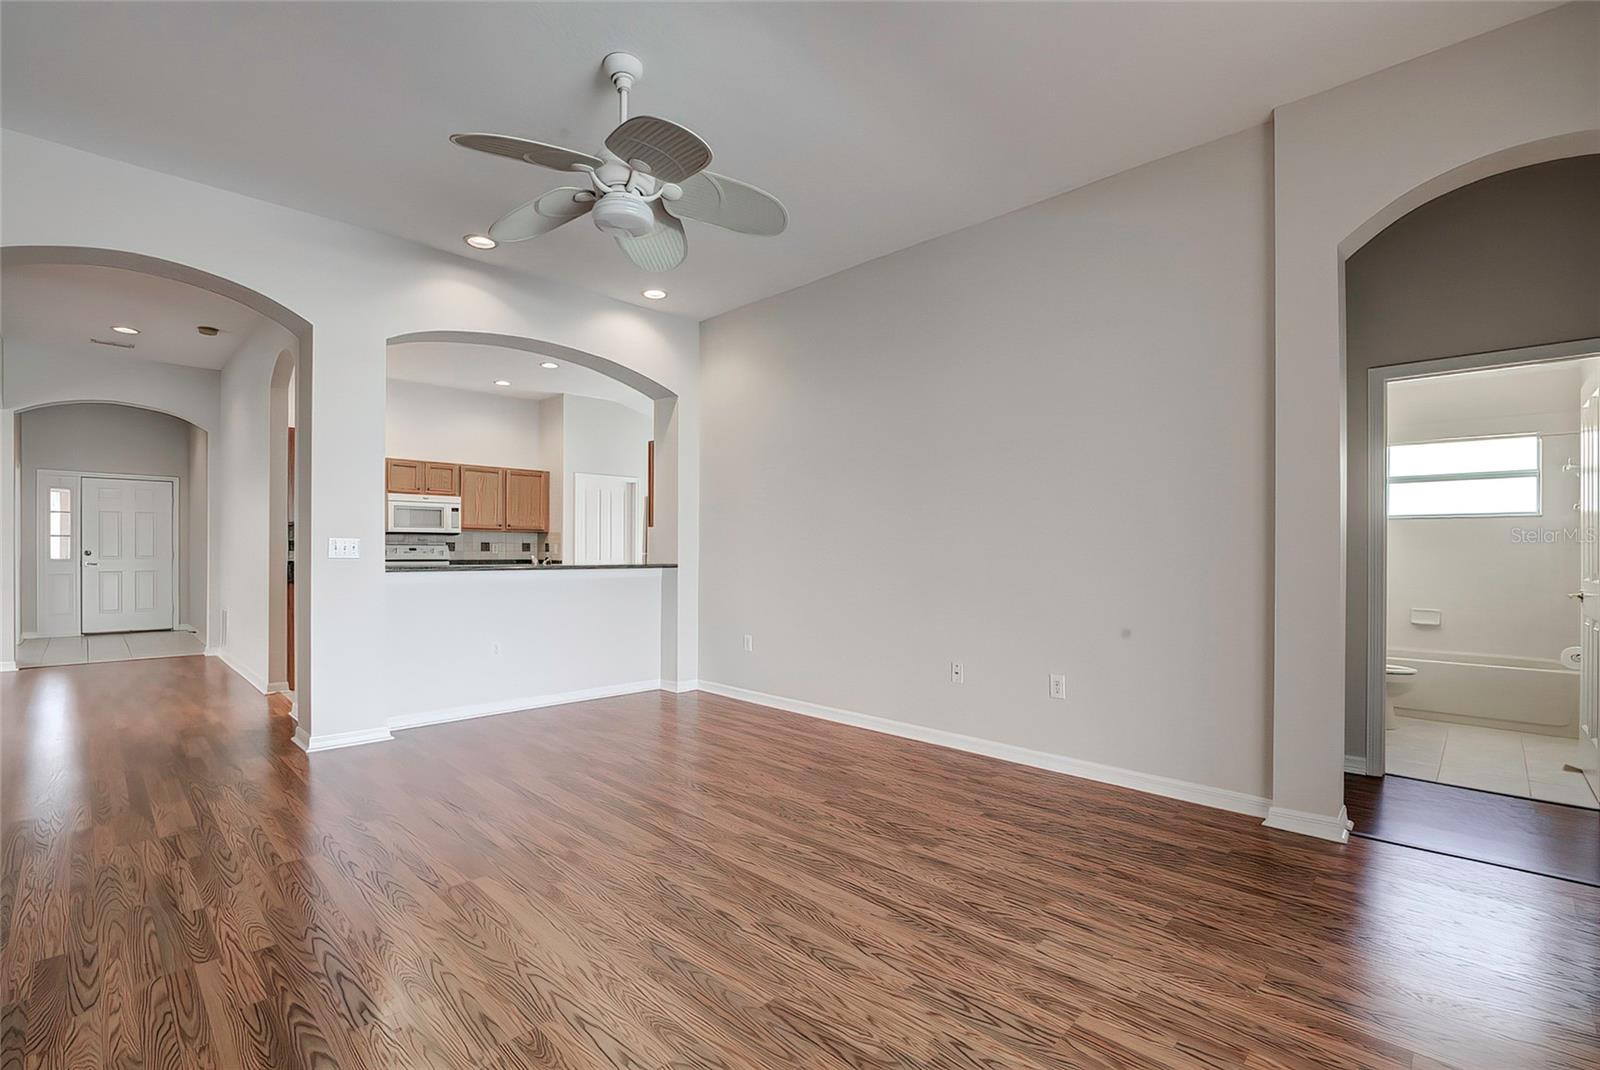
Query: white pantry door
127, 555
1589, 582
605, 516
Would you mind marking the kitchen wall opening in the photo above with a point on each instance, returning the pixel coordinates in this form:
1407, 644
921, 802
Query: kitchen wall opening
500, 457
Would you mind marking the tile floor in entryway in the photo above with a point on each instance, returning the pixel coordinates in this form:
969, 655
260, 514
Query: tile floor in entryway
113, 646
1488, 759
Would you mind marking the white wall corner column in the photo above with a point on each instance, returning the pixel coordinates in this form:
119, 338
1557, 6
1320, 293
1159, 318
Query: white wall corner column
1347, 162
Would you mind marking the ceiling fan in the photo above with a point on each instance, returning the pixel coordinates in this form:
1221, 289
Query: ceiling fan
650, 176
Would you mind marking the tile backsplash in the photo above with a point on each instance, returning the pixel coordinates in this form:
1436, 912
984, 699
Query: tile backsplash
488, 545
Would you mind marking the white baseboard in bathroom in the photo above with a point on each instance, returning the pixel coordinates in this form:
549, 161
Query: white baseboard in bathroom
1322, 826
1182, 790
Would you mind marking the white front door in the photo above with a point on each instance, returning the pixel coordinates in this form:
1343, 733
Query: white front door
605, 516
1589, 582
56, 539
127, 555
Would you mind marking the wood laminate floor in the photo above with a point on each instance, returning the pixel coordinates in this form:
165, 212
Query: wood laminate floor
1540, 837
685, 881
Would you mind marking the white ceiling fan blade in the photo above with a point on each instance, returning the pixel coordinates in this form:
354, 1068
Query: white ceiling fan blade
535, 152
662, 249
727, 202
541, 215
668, 151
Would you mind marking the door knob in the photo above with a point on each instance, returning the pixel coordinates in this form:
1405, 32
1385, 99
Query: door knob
1576, 594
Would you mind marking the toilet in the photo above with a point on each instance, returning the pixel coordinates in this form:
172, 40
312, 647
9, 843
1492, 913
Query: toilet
1397, 680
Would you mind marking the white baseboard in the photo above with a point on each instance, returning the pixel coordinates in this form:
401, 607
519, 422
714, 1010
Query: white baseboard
680, 687
249, 677
278, 688
491, 709
1355, 763
336, 740
1322, 826
1183, 790
8, 666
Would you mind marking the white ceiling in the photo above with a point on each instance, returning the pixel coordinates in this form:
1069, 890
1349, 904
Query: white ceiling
62, 306
475, 368
880, 125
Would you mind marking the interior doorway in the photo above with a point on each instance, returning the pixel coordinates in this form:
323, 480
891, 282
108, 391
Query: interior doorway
1483, 484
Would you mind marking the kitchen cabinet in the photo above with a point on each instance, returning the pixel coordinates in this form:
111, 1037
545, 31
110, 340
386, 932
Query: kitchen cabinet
441, 478
483, 498
421, 477
527, 500
403, 477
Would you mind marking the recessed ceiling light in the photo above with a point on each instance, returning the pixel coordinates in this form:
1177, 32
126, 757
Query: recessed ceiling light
655, 295
480, 241
126, 330
549, 364
502, 382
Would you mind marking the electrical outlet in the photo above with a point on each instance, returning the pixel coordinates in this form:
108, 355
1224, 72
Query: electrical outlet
749, 644
344, 547
958, 673
1058, 685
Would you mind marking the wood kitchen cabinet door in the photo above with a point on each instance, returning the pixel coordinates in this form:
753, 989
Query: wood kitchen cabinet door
483, 498
527, 500
403, 477
440, 478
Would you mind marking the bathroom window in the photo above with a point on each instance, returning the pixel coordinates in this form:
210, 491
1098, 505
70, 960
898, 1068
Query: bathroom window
1465, 477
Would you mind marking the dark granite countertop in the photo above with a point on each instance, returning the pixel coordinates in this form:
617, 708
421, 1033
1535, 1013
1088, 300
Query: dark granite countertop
504, 566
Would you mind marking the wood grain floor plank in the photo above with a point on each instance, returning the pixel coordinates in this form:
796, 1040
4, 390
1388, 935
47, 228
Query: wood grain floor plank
681, 881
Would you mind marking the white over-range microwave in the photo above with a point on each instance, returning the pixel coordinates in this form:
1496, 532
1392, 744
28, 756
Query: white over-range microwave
424, 514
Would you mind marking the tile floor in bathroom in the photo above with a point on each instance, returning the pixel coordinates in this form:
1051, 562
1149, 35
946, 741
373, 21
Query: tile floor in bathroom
1488, 759
114, 646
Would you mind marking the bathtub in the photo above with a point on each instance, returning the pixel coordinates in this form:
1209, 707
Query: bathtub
1526, 694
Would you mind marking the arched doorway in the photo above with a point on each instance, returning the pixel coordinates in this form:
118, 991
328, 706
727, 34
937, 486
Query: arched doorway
190, 383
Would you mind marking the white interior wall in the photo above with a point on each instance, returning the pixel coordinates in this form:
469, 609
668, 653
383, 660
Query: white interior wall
1039, 445
601, 438
357, 289
1345, 163
552, 447
435, 423
245, 455
1501, 583
118, 440
197, 485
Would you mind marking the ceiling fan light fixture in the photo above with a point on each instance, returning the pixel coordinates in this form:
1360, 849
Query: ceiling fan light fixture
480, 241
654, 295
625, 215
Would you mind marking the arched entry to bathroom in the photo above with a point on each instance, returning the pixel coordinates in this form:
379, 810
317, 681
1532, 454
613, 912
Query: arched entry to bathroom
1494, 271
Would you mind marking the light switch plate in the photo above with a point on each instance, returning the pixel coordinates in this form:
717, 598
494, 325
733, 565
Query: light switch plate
344, 547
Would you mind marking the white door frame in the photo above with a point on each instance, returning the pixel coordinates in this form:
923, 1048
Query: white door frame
1378, 380
635, 521
41, 536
